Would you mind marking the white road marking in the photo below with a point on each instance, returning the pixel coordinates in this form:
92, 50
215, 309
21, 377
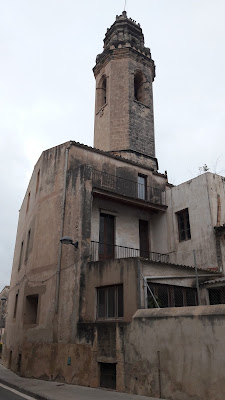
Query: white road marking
16, 392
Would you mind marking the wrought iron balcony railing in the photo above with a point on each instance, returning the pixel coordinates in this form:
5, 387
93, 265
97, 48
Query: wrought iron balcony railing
104, 251
126, 187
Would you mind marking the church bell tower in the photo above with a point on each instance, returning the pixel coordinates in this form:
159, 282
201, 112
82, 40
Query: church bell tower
124, 72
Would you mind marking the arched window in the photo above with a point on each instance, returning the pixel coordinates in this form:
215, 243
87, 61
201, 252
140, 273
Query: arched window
140, 87
102, 92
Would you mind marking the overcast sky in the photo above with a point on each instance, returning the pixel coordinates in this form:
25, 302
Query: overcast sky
47, 88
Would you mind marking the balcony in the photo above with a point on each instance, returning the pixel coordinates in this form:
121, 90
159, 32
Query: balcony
103, 251
128, 191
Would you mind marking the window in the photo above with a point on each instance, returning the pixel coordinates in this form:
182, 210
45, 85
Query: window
217, 295
15, 305
140, 88
106, 237
142, 186
102, 92
28, 246
110, 302
38, 180
28, 202
172, 296
21, 255
183, 225
31, 308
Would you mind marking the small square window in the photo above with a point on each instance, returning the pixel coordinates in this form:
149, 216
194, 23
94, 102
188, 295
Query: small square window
183, 225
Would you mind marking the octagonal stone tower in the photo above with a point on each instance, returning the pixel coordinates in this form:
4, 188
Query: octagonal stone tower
124, 72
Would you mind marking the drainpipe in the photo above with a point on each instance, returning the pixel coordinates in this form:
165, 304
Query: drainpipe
61, 233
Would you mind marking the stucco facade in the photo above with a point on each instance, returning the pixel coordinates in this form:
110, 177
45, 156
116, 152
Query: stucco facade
80, 313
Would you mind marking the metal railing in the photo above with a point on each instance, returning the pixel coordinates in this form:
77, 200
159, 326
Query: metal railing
104, 251
126, 187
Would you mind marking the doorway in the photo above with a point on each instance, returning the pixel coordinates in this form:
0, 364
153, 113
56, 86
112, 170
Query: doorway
106, 237
108, 375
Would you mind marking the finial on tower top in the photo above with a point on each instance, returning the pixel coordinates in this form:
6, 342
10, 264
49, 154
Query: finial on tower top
125, 3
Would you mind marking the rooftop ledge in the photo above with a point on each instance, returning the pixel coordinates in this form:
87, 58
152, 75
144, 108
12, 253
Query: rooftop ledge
172, 312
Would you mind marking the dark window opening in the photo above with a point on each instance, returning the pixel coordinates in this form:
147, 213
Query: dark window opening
106, 237
142, 186
21, 255
31, 308
143, 238
38, 180
172, 296
28, 245
183, 225
217, 295
108, 375
110, 302
15, 305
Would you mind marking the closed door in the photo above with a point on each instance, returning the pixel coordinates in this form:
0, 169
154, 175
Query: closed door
106, 237
144, 238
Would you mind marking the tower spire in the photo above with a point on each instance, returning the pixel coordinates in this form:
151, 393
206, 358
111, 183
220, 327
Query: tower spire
124, 72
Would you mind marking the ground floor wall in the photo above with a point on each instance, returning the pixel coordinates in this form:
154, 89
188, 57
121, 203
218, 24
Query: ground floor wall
176, 353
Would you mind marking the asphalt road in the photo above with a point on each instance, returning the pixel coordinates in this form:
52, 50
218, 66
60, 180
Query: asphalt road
12, 394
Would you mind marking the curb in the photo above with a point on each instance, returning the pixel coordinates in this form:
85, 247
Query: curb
24, 391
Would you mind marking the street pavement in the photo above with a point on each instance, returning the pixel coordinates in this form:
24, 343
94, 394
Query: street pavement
46, 390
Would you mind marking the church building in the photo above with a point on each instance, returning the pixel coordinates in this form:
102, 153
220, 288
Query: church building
113, 266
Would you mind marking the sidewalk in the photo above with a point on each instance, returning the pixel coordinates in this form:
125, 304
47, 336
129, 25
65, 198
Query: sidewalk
45, 390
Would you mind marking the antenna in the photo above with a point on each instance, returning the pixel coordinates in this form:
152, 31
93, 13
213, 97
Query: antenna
125, 4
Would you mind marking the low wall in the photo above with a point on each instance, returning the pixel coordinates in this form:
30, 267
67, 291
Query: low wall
177, 353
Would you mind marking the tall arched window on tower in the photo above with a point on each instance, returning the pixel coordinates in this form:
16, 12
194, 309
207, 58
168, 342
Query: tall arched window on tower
102, 92
140, 88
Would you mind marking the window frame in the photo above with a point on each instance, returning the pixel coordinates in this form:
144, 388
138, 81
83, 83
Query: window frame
184, 233
142, 187
117, 312
171, 294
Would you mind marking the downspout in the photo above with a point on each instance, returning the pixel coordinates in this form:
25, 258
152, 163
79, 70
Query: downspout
61, 232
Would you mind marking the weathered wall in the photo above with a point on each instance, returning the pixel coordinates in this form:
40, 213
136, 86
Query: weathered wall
126, 222
112, 272
181, 353
200, 196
